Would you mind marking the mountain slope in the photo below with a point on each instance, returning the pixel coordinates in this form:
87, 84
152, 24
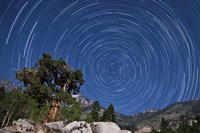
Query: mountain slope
175, 114
8, 85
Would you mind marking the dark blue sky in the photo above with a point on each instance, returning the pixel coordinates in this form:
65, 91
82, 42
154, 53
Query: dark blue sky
136, 54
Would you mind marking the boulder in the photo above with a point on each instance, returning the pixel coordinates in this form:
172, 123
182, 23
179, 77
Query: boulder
4, 131
22, 125
54, 127
78, 127
125, 131
26, 126
106, 127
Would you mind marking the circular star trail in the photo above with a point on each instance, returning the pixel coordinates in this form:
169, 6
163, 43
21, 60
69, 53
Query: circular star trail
138, 55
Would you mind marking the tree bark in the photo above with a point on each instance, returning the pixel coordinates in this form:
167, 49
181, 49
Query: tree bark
11, 114
53, 111
54, 108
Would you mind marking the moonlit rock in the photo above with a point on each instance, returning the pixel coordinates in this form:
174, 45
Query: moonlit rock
78, 127
22, 126
106, 127
27, 126
54, 127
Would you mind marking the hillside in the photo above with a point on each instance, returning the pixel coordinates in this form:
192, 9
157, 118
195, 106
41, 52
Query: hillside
175, 114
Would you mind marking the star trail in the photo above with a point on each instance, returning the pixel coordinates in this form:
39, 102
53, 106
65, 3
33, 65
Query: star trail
136, 54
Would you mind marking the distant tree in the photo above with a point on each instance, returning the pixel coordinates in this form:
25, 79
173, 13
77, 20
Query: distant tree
195, 128
51, 81
163, 124
109, 114
184, 129
2, 91
131, 126
197, 118
95, 113
184, 119
167, 130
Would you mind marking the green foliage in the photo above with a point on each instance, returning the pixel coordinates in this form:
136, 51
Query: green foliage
89, 118
48, 77
70, 113
37, 112
95, 113
163, 124
194, 128
131, 127
167, 130
109, 114
197, 118
2, 91
154, 131
15, 105
185, 128
9, 106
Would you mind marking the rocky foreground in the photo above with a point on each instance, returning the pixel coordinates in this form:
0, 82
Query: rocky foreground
26, 126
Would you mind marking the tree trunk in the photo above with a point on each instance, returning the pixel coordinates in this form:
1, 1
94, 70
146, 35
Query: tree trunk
53, 111
55, 106
11, 114
7, 113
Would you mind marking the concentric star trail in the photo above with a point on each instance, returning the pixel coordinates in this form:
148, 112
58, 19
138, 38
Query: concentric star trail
138, 55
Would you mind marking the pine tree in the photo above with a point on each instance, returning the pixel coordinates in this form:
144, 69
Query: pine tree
95, 113
2, 91
109, 114
163, 124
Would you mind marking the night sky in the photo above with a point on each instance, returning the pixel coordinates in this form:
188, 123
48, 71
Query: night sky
136, 54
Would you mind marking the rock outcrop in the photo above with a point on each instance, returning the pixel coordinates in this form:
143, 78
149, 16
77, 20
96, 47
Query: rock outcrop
85, 102
78, 127
4, 131
106, 127
25, 126
53, 127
